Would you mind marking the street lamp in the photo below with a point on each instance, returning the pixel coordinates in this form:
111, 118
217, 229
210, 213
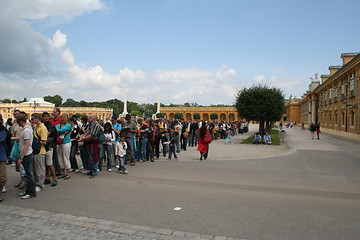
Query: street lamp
34, 105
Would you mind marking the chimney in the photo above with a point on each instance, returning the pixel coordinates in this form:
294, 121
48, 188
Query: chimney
324, 77
334, 69
347, 57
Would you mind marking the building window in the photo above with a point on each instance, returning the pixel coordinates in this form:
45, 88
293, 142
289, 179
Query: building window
352, 118
342, 118
329, 118
330, 95
352, 82
325, 98
336, 118
343, 89
335, 93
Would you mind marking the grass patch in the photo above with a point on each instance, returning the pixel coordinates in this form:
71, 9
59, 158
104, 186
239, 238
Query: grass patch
275, 134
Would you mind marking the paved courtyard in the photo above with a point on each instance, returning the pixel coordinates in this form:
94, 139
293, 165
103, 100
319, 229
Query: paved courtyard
303, 189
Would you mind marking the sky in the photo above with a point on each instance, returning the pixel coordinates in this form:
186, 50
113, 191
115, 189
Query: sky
178, 51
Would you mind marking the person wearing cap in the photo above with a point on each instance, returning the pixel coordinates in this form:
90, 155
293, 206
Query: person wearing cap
128, 131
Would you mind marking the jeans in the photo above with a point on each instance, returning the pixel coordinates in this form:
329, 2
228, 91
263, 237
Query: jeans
191, 140
172, 151
84, 158
28, 163
55, 159
73, 162
183, 143
121, 163
109, 154
130, 152
142, 149
90, 154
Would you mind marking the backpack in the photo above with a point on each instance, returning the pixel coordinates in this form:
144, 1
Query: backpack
7, 142
101, 136
36, 144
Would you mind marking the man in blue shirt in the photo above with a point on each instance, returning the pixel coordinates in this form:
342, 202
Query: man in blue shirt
116, 127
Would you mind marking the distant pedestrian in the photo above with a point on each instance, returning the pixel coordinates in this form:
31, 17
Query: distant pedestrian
318, 131
302, 126
203, 147
312, 128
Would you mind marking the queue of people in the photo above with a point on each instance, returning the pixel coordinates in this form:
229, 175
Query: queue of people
116, 143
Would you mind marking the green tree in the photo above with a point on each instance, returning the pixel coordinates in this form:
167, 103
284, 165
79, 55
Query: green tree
187, 104
196, 116
70, 103
160, 115
57, 100
136, 113
260, 103
178, 115
214, 116
6, 100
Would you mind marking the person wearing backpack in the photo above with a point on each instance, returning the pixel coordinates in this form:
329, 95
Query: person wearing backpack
40, 133
26, 156
3, 155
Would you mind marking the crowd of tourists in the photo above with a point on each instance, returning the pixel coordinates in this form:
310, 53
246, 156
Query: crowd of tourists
44, 148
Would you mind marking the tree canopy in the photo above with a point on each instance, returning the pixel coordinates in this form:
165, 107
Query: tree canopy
214, 116
260, 103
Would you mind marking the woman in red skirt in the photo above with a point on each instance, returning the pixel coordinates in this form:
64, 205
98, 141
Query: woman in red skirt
204, 140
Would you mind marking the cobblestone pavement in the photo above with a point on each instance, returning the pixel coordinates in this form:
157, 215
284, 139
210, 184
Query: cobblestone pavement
26, 223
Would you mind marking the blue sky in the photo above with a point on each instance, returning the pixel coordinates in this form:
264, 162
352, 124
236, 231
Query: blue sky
186, 51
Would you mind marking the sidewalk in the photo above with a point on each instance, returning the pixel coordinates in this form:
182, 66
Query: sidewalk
25, 223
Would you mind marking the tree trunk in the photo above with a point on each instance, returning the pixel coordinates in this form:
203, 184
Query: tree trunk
268, 125
261, 126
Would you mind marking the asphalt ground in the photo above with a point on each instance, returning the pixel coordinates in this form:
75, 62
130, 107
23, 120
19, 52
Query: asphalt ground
303, 189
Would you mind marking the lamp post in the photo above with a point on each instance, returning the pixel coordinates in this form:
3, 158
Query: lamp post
34, 105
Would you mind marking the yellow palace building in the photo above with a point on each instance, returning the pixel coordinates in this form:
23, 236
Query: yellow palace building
228, 114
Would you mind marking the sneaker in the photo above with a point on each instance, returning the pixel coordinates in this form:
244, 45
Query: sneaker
22, 194
169, 158
176, 159
117, 166
125, 172
47, 181
72, 170
4, 190
27, 196
38, 189
85, 171
109, 170
132, 164
13, 164
141, 161
54, 183
76, 170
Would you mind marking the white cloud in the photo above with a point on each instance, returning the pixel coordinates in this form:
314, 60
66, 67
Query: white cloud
259, 79
225, 73
40, 9
52, 67
59, 39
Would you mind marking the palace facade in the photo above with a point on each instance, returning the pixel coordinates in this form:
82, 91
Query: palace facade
334, 101
224, 113
38, 105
